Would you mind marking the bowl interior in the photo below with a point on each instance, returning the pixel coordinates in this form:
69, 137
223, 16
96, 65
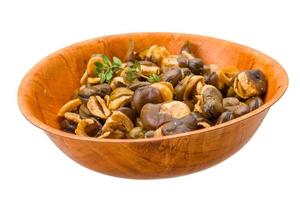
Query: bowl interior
52, 81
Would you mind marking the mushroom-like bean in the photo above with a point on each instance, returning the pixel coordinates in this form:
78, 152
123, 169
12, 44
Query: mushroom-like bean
117, 82
74, 117
195, 82
144, 95
83, 79
93, 129
98, 107
67, 126
211, 101
136, 132
147, 63
149, 134
169, 63
182, 61
82, 125
176, 109
188, 55
158, 133
84, 112
250, 83
196, 66
233, 105
93, 80
120, 97
166, 90
157, 53
138, 84
173, 76
221, 77
212, 79
139, 122
151, 117
180, 88
211, 68
149, 70
154, 115
186, 72
121, 118
70, 106
182, 125
100, 90
119, 102
129, 112
116, 126
241, 109
254, 103
230, 101
202, 122
225, 117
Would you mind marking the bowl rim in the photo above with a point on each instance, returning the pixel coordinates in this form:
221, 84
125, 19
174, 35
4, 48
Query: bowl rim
48, 129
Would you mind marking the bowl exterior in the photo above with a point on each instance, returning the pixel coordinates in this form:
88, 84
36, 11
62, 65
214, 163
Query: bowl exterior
49, 84
164, 158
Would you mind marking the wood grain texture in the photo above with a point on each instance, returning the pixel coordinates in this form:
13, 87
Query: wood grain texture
50, 83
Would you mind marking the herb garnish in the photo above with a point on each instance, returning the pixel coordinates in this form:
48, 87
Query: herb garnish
105, 70
132, 71
153, 78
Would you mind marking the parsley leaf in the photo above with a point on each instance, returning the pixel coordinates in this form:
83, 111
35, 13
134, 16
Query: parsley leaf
105, 70
108, 75
137, 65
106, 60
117, 62
99, 71
99, 67
102, 77
153, 78
132, 71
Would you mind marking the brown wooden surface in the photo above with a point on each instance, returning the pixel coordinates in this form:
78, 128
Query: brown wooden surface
50, 84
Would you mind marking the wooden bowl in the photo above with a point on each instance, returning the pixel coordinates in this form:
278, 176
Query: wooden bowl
50, 84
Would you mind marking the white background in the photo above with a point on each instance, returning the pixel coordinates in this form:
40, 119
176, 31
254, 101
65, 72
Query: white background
31, 167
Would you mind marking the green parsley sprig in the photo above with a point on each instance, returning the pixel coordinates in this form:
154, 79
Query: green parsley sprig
153, 78
132, 72
105, 70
